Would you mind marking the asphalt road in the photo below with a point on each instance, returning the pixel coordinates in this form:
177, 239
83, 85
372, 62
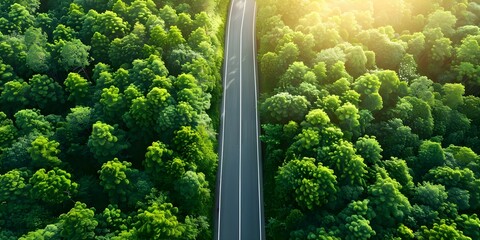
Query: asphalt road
239, 200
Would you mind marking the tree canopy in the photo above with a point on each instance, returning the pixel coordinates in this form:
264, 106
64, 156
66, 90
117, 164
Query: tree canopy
384, 96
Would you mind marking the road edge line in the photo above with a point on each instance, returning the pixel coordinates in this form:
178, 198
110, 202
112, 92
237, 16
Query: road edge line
224, 81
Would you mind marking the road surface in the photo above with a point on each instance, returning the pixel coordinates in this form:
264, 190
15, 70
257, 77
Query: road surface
239, 200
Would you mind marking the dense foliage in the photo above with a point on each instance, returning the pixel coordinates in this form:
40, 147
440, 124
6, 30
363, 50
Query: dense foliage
108, 113
370, 116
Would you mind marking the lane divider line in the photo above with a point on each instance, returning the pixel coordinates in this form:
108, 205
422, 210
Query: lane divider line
240, 135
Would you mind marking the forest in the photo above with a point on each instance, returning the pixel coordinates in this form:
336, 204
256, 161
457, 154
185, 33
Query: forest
108, 118
370, 116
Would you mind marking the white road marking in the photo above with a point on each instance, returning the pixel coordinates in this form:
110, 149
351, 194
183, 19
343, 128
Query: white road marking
240, 146
223, 123
257, 123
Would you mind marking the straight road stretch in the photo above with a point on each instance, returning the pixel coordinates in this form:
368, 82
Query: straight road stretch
239, 200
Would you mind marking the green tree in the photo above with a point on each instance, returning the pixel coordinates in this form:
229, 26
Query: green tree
316, 118
369, 148
63, 33
444, 20
111, 221
348, 118
79, 88
356, 61
20, 19
368, 86
358, 228
44, 153
294, 74
469, 224
125, 50
399, 171
389, 88
114, 178
158, 221
53, 187
38, 59
309, 185
8, 132
74, 54
193, 193
453, 94
111, 105
284, 107
441, 230
109, 24
14, 185
348, 166
32, 121
15, 96
45, 92
195, 147
417, 114
51, 231
469, 50
105, 142
100, 45
305, 144
389, 204
430, 155
159, 161
78, 223
431, 195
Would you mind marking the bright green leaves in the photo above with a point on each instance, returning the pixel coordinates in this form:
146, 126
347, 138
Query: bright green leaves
78, 87
49, 232
453, 94
8, 131
316, 118
105, 142
110, 25
368, 86
311, 185
78, 223
53, 187
389, 204
305, 144
31, 121
469, 50
158, 221
348, 118
159, 162
111, 105
15, 96
283, 107
192, 146
44, 152
348, 166
14, 185
359, 228
19, 19
442, 230
114, 179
